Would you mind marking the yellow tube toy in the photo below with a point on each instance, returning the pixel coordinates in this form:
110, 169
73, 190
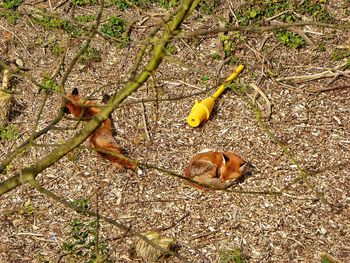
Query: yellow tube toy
201, 110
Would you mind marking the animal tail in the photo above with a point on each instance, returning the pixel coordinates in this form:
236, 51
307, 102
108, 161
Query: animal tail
114, 154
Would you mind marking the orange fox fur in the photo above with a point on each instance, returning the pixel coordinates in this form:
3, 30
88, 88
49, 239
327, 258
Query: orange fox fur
218, 170
102, 138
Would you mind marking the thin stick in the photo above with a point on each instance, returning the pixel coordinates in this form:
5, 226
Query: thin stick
333, 72
259, 29
174, 223
306, 78
148, 137
25, 47
278, 15
326, 89
268, 102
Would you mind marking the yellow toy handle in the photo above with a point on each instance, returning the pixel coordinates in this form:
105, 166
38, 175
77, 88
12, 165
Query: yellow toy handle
201, 110
222, 87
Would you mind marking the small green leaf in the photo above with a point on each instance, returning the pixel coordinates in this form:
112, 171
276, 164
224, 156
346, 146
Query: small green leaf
205, 78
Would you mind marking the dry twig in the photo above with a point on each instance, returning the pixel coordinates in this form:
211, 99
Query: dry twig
331, 73
258, 92
148, 137
314, 90
261, 29
20, 40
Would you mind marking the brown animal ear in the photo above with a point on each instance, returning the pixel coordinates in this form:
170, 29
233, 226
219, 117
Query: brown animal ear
225, 158
75, 92
106, 98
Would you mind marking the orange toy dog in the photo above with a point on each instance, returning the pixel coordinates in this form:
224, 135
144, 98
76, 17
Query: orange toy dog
217, 170
101, 139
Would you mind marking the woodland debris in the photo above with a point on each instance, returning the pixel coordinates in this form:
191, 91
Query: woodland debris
331, 73
258, 92
305, 78
328, 258
151, 254
5, 99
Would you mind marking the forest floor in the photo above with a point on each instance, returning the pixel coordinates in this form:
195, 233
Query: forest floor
294, 205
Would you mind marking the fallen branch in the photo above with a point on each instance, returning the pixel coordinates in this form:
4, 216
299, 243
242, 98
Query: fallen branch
306, 78
331, 73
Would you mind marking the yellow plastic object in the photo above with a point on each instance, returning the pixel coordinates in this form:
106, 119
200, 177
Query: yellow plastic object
201, 110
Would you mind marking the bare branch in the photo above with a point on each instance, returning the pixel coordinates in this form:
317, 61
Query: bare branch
260, 29
118, 97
